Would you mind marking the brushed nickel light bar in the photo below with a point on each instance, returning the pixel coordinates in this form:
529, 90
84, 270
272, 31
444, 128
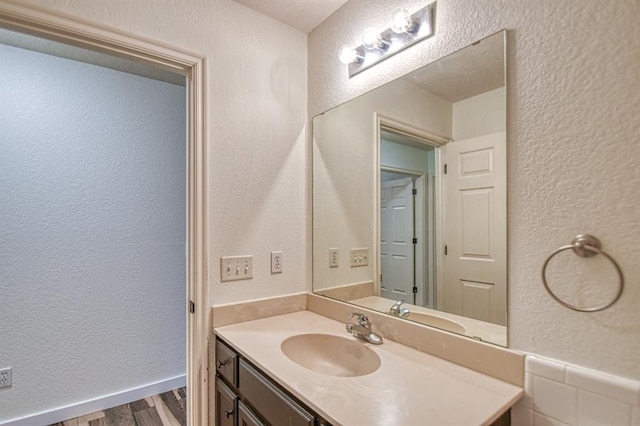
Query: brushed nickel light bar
406, 30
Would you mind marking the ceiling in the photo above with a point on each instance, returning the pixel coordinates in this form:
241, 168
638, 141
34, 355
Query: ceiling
303, 15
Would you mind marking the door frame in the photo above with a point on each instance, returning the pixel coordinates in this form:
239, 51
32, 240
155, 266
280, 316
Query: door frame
90, 35
380, 122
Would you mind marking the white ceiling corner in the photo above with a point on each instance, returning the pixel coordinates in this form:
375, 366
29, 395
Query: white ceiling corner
303, 15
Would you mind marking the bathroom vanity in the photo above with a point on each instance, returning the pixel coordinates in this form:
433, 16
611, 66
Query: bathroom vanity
304, 369
245, 395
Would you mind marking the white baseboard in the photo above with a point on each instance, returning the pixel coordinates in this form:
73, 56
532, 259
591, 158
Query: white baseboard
97, 404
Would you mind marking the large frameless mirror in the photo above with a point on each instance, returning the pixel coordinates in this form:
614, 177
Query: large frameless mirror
409, 196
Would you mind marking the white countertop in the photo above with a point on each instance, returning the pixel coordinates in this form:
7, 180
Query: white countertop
409, 388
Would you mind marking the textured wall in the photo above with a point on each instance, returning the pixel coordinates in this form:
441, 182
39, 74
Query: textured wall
92, 212
573, 124
256, 128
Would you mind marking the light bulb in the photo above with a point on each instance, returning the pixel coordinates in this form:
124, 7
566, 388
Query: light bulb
349, 55
401, 21
372, 39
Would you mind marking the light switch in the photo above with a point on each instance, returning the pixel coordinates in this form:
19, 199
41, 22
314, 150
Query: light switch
359, 257
233, 268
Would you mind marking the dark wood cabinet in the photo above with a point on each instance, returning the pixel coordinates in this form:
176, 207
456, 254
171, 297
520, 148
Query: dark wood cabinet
246, 416
274, 405
246, 396
226, 403
226, 363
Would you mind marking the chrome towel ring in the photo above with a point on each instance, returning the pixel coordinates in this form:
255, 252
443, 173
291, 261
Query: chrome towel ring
584, 245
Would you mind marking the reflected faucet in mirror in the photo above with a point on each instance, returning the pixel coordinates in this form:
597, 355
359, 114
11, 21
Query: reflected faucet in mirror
414, 171
399, 312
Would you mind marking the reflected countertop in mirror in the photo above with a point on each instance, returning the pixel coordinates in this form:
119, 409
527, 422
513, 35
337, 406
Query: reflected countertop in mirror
409, 195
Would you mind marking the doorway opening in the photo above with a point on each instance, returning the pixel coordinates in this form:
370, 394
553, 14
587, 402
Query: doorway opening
407, 219
94, 37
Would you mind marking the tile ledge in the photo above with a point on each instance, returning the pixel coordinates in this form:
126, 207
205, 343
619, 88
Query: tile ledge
605, 384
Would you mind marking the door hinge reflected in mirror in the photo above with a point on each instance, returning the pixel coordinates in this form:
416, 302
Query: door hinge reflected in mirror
445, 169
445, 250
192, 307
415, 241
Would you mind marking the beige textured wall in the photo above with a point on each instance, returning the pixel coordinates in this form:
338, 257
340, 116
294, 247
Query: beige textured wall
256, 112
574, 150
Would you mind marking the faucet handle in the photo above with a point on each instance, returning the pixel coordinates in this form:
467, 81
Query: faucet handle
363, 320
395, 308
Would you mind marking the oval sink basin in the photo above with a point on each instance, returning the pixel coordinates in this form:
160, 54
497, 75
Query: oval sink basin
331, 355
435, 321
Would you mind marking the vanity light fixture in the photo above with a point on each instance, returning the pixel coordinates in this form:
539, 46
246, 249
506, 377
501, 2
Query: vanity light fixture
372, 39
406, 30
350, 55
401, 22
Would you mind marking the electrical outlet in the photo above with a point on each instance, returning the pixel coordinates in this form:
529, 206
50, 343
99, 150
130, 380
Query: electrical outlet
276, 262
233, 268
359, 257
5, 377
333, 257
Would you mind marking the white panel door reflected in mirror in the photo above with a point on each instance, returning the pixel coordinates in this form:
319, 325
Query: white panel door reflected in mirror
415, 171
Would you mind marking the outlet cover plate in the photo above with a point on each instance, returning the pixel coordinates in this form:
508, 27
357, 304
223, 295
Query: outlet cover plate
276, 262
234, 268
359, 257
6, 377
333, 257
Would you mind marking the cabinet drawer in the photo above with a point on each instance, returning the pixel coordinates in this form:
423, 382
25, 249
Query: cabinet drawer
246, 417
272, 404
226, 363
226, 401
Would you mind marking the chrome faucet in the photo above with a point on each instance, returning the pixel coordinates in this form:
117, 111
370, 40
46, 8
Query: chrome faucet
362, 330
395, 310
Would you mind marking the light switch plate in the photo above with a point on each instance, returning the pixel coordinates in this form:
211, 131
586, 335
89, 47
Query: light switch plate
359, 257
233, 268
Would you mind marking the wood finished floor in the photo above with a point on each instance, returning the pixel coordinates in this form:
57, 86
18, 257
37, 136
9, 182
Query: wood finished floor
167, 409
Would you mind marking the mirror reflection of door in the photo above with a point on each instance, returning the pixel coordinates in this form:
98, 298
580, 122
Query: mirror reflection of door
398, 231
475, 280
407, 265
470, 278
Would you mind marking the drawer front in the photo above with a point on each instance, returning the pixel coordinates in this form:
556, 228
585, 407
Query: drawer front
226, 401
273, 405
226, 363
246, 417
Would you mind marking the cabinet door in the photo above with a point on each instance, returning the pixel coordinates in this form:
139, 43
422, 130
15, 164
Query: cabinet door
226, 363
246, 417
226, 401
271, 403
